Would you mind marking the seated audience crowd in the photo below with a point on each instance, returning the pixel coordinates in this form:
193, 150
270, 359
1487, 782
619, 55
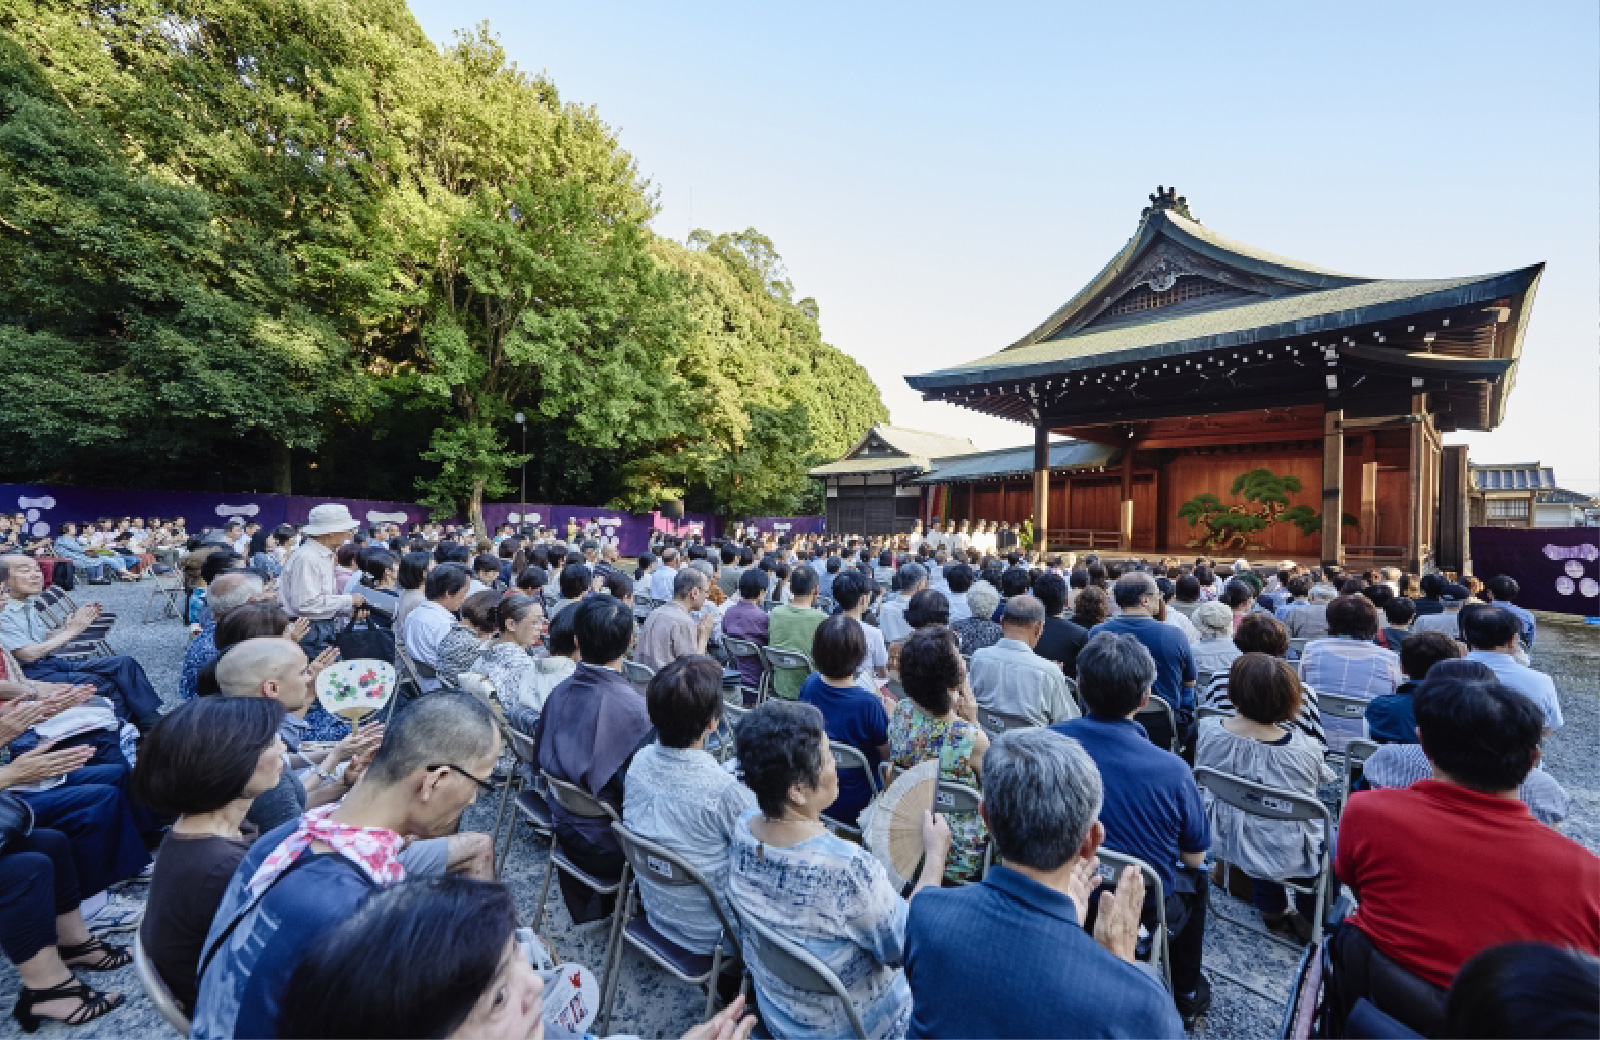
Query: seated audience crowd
315, 878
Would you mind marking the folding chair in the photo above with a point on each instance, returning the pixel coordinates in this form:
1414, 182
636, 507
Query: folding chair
1273, 803
745, 649
792, 964
732, 715
664, 867
1304, 995
1157, 707
410, 675
579, 802
60, 594
995, 723
529, 800
1203, 679
638, 674
848, 759
1355, 757
1297, 648
1077, 698
1207, 711
168, 591
785, 661
1111, 867
953, 797
1338, 706
157, 990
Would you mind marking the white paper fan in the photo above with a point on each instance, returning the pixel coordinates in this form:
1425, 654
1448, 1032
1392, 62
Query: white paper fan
893, 830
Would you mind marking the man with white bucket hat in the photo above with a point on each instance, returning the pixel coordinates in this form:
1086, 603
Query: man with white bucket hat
306, 588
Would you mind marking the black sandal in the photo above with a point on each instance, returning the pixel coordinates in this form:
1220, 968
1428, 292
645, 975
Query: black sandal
94, 1004
111, 957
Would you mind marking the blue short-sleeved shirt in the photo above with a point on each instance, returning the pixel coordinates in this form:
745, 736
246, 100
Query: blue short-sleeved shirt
990, 937
856, 717
1170, 647
244, 982
1152, 807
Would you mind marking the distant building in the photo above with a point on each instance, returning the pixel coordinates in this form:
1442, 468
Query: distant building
1525, 494
869, 491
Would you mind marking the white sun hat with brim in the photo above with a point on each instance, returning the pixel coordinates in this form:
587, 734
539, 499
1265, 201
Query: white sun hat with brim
329, 518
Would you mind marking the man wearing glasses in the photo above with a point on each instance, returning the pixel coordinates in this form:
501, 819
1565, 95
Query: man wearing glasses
304, 877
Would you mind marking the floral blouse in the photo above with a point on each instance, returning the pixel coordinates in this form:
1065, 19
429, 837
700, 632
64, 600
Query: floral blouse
914, 737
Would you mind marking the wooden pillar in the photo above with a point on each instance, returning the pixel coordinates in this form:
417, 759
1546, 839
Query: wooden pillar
1066, 505
1332, 486
1125, 503
1418, 482
1369, 490
1041, 486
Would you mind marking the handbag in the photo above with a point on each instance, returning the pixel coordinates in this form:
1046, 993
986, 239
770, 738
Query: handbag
16, 818
364, 638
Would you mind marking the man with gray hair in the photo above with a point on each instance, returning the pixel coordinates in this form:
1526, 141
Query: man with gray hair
1138, 600
1309, 620
1152, 807
912, 579
1041, 799
227, 591
671, 631
1009, 678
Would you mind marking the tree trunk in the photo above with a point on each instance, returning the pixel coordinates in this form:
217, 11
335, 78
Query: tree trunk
475, 509
280, 458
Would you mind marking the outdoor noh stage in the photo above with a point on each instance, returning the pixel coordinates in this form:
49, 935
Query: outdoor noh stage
1193, 366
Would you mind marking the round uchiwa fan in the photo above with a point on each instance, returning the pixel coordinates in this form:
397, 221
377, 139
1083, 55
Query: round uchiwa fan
893, 831
356, 689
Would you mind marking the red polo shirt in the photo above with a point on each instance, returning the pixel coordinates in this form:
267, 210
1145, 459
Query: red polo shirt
1443, 872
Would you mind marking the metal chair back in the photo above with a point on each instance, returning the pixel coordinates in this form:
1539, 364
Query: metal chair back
1297, 647
786, 661
1112, 864
579, 802
1208, 711
1274, 803
638, 674
1355, 757
157, 990
793, 964
1203, 679
848, 759
744, 648
995, 723
1157, 706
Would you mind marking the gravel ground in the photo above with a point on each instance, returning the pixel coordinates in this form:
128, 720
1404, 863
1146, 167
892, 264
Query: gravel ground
650, 1004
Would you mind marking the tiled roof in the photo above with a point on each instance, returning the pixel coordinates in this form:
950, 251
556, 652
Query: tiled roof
1512, 476
1068, 454
917, 450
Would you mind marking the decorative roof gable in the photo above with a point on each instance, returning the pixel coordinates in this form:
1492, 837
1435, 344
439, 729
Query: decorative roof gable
1173, 265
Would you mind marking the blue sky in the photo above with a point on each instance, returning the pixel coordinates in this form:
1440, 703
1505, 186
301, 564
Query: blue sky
941, 177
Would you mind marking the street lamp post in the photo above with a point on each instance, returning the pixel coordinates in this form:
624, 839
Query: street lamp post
522, 514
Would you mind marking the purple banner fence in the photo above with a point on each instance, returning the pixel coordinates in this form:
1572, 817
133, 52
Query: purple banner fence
1558, 568
47, 506
790, 525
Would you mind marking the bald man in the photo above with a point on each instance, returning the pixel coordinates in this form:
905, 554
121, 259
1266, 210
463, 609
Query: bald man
277, 668
28, 634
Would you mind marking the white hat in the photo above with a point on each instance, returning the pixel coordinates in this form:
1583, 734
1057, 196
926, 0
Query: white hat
328, 518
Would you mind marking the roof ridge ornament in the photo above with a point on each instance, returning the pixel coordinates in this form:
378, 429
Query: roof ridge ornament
1168, 198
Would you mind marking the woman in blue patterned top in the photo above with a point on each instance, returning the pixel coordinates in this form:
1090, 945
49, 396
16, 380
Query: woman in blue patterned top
818, 891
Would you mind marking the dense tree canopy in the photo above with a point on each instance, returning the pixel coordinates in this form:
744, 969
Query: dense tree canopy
263, 244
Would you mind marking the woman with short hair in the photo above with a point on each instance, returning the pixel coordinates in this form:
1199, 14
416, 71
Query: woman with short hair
1259, 745
508, 660
678, 795
979, 630
827, 895
938, 718
855, 715
204, 763
410, 578
461, 645
1260, 634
